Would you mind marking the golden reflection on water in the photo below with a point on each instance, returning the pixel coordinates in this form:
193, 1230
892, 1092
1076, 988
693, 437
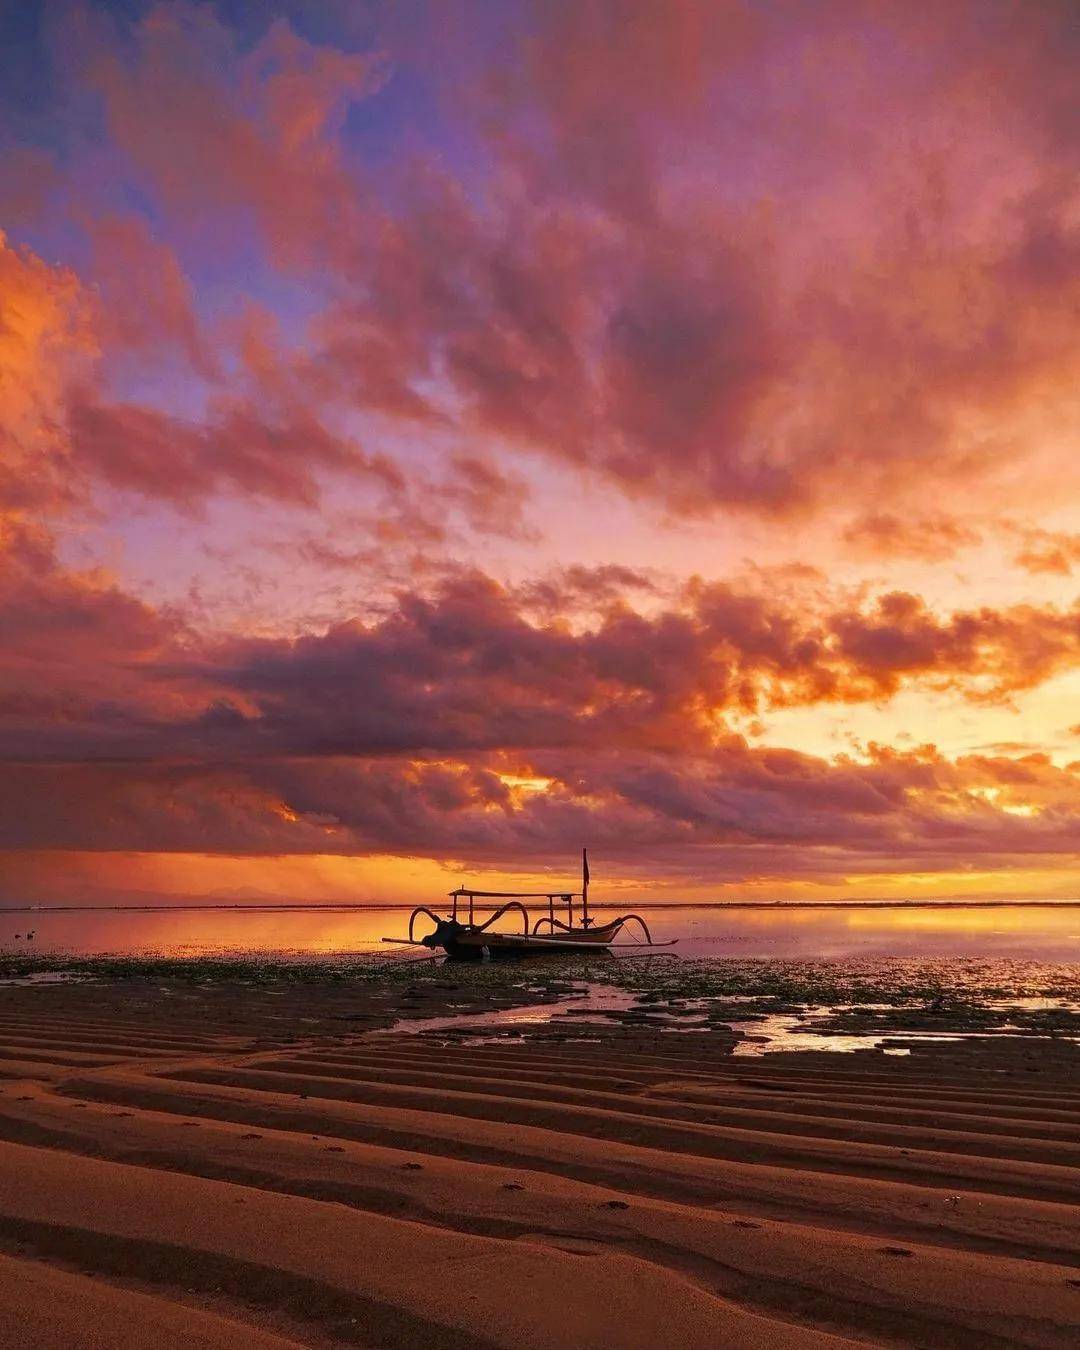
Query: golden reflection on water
191, 932
1034, 932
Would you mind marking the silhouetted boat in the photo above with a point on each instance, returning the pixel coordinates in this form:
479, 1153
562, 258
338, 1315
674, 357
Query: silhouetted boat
459, 934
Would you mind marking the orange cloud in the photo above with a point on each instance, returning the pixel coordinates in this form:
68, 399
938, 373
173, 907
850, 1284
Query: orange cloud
415, 731
926, 538
1049, 552
47, 339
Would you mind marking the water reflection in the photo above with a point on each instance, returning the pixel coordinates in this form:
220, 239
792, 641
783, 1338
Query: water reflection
1029, 932
1022, 931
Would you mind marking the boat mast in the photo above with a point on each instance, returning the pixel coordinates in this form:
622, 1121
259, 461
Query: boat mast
585, 920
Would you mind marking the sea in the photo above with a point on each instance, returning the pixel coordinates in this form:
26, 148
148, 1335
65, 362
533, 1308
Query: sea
1028, 931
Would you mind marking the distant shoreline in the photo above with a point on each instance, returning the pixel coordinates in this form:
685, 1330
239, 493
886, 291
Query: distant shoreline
356, 907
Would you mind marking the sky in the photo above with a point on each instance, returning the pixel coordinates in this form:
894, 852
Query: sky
438, 436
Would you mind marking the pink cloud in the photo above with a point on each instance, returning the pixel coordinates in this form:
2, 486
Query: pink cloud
212, 130
146, 301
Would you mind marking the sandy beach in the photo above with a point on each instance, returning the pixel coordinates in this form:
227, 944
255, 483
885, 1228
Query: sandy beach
227, 1165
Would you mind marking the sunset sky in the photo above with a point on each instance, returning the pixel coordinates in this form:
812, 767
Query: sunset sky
434, 437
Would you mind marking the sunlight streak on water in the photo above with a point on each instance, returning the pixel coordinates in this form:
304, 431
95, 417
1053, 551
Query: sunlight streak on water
1027, 932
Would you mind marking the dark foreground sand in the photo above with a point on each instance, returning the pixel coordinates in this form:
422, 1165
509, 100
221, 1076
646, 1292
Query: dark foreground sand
261, 1167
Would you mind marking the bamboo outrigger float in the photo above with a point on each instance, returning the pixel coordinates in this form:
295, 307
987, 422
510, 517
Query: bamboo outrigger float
461, 936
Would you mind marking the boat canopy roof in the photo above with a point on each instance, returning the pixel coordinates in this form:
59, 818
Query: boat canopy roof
515, 895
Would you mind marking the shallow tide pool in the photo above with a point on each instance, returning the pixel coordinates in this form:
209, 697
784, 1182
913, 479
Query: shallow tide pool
810, 1028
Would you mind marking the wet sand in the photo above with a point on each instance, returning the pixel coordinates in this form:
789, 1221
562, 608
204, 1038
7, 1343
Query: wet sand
228, 1165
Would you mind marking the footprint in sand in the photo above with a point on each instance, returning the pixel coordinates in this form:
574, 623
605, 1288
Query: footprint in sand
512, 1186
744, 1223
412, 1167
125, 1114
251, 1136
895, 1251
333, 1148
614, 1204
189, 1124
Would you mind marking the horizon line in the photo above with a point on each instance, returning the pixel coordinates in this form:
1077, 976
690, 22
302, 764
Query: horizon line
360, 906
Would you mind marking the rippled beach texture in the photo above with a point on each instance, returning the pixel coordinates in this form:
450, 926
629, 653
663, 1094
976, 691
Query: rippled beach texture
224, 1129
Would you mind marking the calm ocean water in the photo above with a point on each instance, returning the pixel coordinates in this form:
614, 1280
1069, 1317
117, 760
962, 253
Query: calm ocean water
1032, 932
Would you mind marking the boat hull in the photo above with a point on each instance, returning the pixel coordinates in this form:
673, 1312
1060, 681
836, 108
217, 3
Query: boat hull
470, 944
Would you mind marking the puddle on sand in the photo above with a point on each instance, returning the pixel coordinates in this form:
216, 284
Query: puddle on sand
48, 977
596, 1004
1032, 1004
598, 999
780, 1031
765, 1033
804, 1031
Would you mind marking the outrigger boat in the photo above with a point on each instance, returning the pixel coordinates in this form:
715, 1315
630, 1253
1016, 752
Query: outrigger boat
461, 936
